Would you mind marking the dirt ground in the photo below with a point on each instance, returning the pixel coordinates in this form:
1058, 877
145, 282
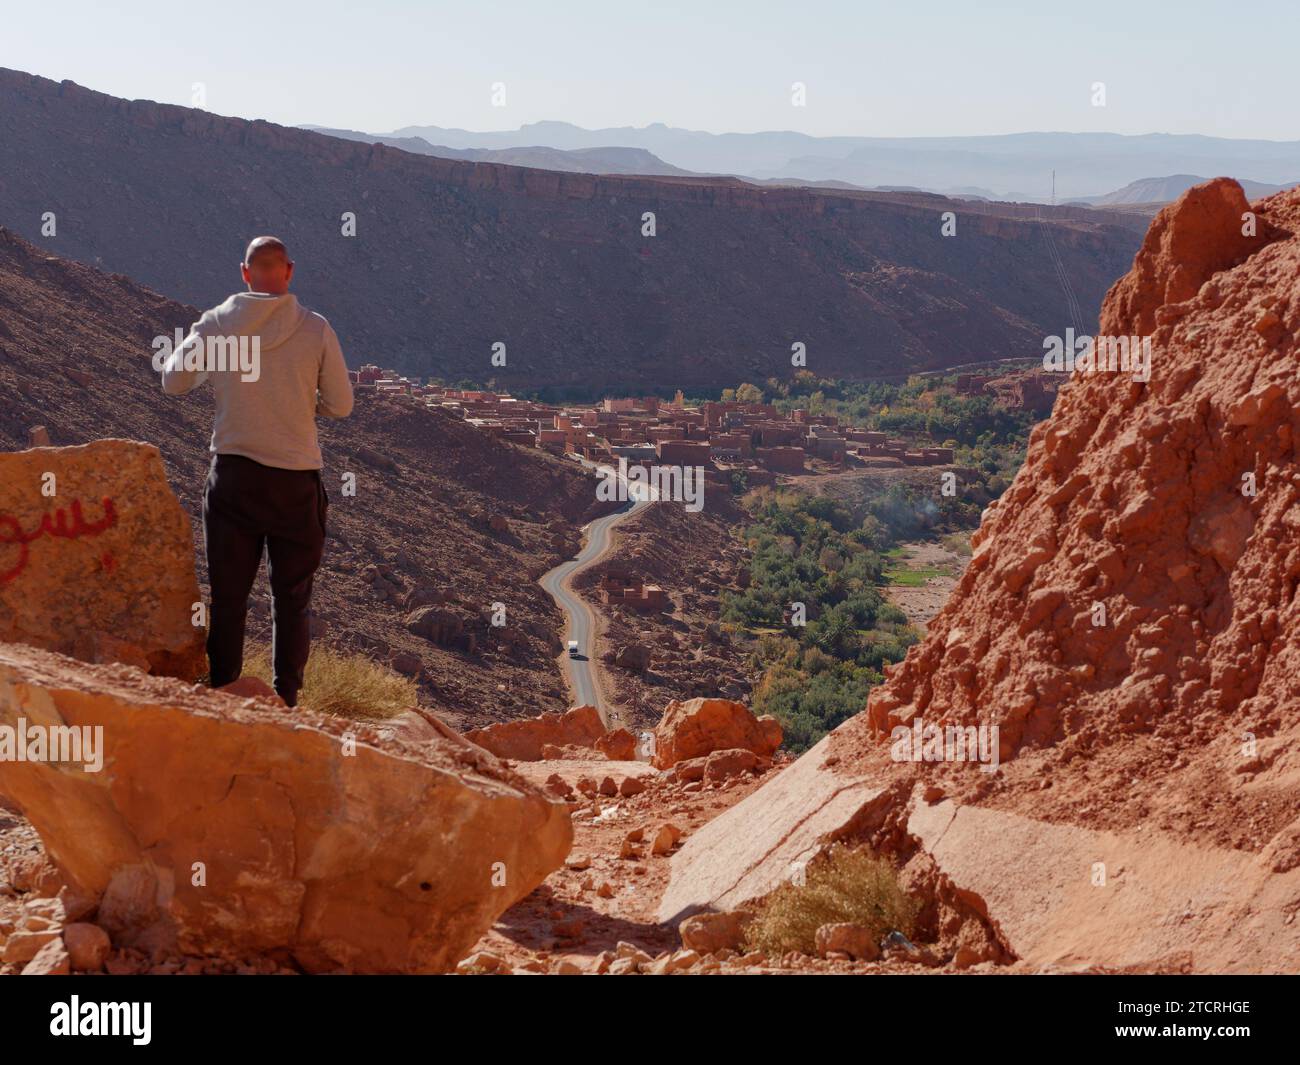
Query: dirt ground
923, 601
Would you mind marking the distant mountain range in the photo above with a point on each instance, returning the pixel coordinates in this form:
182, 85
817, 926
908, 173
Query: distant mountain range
603, 160
452, 258
1162, 190
1015, 166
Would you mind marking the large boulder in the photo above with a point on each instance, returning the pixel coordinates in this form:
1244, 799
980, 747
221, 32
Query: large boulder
698, 727
524, 739
218, 825
436, 624
97, 557
633, 656
618, 745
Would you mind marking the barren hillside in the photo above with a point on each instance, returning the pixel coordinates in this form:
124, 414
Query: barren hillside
75, 357
451, 257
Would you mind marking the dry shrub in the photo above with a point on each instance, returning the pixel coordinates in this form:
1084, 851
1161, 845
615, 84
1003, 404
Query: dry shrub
346, 685
851, 886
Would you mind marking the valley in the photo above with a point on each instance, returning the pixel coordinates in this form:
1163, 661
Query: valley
762, 552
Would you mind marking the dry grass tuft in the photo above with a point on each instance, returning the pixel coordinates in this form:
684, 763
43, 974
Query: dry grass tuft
346, 685
846, 886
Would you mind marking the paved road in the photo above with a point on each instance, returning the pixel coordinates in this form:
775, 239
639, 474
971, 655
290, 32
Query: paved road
580, 621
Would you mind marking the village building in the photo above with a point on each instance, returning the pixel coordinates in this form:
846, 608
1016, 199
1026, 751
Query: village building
724, 438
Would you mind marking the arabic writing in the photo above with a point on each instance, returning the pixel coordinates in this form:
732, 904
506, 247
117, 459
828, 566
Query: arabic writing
57, 525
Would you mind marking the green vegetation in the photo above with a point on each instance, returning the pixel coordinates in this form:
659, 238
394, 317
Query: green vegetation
847, 886
929, 405
836, 556
822, 630
911, 578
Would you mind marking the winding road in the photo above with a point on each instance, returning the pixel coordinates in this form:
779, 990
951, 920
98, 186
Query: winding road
580, 623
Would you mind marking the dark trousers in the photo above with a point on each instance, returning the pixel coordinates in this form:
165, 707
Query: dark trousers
246, 507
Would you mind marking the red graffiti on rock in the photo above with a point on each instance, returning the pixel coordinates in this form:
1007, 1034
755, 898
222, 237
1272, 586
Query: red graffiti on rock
56, 525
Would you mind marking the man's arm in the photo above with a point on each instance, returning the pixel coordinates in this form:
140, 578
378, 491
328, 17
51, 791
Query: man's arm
176, 380
334, 388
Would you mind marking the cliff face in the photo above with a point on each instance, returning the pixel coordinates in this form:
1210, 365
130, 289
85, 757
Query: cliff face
1139, 574
450, 257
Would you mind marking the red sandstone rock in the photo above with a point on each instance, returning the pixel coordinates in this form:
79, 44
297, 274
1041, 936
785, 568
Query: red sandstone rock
708, 933
701, 726
851, 939
1131, 498
634, 656
665, 839
316, 836
557, 785
50, 960
525, 739
88, 947
97, 558
1127, 623
690, 769
23, 946
618, 745
721, 765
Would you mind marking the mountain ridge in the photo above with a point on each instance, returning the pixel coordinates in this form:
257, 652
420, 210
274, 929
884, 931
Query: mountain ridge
452, 258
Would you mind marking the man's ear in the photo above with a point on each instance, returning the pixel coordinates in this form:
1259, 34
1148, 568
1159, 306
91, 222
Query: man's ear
243, 272
288, 272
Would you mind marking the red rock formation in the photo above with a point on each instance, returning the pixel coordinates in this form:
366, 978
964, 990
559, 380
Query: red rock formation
699, 727
1128, 623
200, 822
525, 740
1132, 510
96, 558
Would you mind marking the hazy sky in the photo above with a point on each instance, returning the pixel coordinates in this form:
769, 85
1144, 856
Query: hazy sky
872, 69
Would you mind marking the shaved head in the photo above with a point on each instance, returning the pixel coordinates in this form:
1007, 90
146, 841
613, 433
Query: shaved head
267, 267
259, 244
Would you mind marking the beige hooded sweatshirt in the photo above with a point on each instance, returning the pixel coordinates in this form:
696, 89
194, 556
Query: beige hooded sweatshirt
274, 366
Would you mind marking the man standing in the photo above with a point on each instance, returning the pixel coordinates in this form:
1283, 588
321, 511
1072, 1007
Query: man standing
274, 366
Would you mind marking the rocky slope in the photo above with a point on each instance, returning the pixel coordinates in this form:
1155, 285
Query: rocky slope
451, 257
1128, 623
445, 511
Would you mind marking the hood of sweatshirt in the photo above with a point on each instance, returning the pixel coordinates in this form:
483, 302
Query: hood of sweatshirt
272, 318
